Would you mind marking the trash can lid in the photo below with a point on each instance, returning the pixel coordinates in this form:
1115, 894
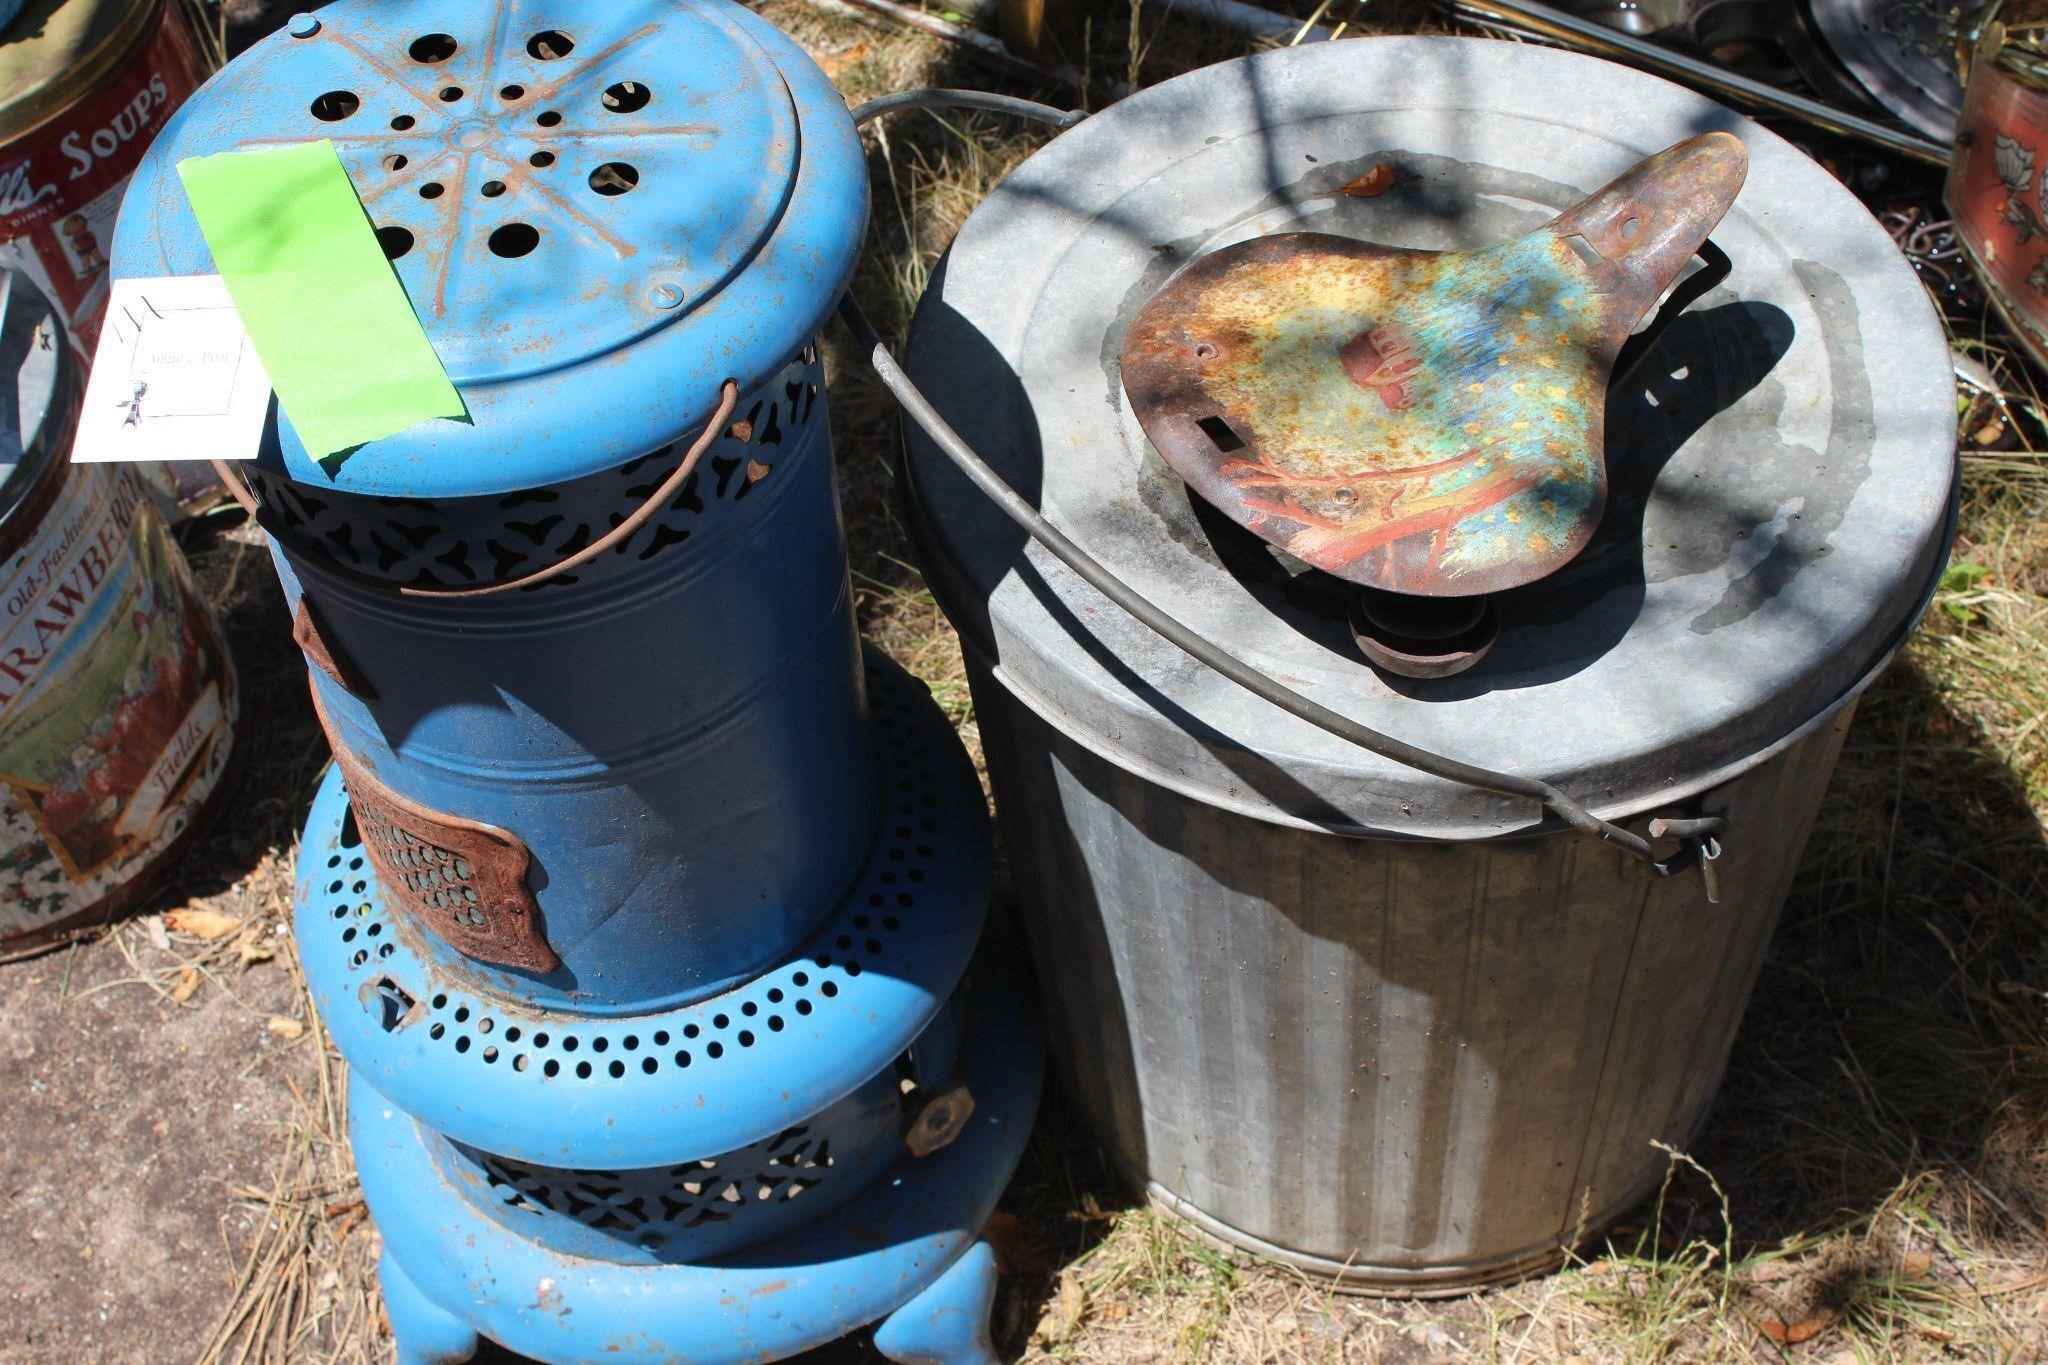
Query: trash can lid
1781, 470
599, 212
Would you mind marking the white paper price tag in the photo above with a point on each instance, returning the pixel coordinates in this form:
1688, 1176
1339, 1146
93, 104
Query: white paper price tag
175, 377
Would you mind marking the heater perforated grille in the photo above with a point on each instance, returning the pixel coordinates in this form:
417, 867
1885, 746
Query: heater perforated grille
555, 1046
653, 1206
465, 542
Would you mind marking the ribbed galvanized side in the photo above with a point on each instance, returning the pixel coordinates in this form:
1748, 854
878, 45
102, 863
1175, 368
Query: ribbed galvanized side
1420, 1065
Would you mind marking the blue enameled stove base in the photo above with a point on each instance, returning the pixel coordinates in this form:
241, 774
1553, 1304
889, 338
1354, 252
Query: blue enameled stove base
906, 1250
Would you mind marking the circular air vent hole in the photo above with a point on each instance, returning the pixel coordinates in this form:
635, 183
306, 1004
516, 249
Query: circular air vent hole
614, 177
396, 241
493, 188
583, 1071
627, 97
450, 93
549, 44
402, 122
548, 118
395, 161
513, 240
551, 1067
431, 190
512, 92
336, 105
618, 1069
541, 159
432, 47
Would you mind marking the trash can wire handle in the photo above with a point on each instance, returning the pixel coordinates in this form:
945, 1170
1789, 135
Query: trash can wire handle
1697, 833
729, 394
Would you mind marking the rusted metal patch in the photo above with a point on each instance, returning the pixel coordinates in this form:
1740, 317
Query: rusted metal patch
1422, 422
462, 881
309, 633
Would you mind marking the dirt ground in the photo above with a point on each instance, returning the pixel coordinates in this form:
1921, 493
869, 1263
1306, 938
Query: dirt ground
1872, 1185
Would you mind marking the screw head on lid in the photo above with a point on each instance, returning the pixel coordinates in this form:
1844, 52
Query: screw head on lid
600, 214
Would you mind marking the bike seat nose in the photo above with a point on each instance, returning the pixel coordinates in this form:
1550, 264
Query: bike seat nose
1421, 422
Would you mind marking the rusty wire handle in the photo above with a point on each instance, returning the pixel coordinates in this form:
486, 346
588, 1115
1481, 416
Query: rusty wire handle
728, 399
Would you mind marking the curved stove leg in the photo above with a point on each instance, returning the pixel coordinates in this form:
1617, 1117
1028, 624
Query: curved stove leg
948, 1323
425, 1334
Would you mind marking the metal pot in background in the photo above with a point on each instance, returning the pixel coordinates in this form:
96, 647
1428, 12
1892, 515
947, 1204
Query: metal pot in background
117, 699
1389, 1029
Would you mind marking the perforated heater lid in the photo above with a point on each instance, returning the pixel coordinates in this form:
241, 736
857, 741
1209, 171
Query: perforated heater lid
600, 212
1781, 468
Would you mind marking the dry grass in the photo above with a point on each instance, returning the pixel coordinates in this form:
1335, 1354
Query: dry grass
1874, 1181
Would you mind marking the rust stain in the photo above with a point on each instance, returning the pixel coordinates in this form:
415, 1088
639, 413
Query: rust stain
592, 63
1419, 422
1372, 184
388, 72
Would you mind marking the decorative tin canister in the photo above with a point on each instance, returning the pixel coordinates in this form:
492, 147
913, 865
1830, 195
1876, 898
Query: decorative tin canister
1391, 1029
87, 84
117, 701
641, 901
1997, 189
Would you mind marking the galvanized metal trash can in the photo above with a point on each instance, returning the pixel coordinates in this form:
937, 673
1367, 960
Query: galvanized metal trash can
641, 899
1382, 1027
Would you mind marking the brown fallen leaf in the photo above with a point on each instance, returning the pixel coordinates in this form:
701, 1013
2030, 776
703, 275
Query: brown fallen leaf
1069, 1305
187, 986
206, 924
1014, 1253
253, 950
1372, 184
1792, 1333
284, 1028
835, 63
1915, 1264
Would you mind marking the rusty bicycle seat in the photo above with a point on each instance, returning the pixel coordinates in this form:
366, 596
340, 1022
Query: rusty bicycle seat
1421, 422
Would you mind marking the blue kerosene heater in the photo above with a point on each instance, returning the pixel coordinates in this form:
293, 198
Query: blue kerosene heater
641, 899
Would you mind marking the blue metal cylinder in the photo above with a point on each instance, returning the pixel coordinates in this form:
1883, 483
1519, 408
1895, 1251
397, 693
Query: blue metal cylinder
638, 782
679, 736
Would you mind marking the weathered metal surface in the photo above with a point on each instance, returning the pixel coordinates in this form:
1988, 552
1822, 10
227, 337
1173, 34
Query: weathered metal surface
1328, 1050
1293, 981
1782, 467
313, 641
655, 1087
117, 697
453, 1272
84, 86
1902, 53
1997, 189
463, 882
1421, 637
597, 232
1416, 421
605, 717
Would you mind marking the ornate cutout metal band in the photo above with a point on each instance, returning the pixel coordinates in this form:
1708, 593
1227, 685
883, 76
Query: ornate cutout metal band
462, 881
